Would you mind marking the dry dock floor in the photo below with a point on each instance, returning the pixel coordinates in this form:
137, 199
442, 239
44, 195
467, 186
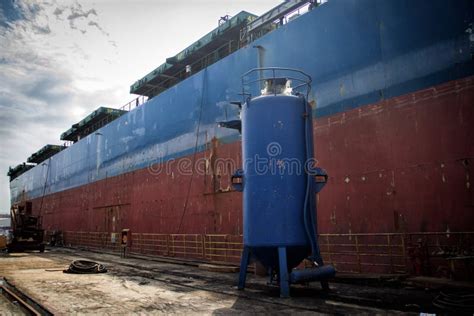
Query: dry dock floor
144, 286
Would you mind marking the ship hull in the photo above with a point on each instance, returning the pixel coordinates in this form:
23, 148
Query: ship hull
400, 166
392, 97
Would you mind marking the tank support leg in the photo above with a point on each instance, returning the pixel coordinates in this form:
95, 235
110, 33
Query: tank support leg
284, 278
325, 286
243, 267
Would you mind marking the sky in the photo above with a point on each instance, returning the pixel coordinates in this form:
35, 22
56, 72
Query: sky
60, 60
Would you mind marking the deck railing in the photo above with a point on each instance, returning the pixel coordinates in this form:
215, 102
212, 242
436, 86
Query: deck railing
429, 253
134, 103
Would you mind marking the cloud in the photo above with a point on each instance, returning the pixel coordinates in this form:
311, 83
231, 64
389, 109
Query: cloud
79, 14
34, 109
79, 19
58, 11
92, 23
39, 91
42, 29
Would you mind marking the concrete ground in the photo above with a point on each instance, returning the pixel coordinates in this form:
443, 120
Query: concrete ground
147, 286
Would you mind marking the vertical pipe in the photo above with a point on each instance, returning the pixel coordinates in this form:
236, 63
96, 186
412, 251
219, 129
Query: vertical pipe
260, 62
310, 220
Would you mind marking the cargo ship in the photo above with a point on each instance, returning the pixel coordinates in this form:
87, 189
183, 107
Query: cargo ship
392, 95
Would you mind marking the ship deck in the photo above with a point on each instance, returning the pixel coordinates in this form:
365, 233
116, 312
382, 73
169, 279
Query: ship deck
150, 286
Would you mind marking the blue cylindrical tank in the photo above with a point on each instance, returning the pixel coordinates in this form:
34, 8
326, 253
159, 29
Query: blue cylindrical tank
279, 179
275, 181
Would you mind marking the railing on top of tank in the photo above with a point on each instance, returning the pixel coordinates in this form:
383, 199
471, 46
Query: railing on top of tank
427, 253
266, 74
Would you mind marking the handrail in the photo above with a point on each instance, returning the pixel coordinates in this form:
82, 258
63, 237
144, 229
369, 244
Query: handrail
349, 252
304, 80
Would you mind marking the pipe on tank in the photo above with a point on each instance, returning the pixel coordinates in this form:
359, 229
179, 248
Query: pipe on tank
310, 221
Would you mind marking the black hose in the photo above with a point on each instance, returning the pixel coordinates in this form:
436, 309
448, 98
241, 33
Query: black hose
309, 188
85, 267
310, 221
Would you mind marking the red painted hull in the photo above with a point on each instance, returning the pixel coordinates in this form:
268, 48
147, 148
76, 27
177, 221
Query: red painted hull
401, 165
397, 166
